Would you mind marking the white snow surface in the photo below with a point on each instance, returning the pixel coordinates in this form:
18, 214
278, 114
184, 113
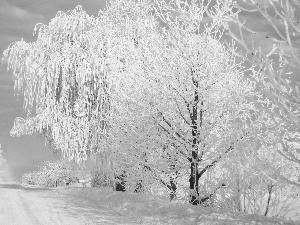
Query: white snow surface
21, 205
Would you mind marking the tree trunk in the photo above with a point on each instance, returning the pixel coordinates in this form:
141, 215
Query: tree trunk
120, 184
173, 184
270, 190
173, 189
194, 176
194, 184
173, 177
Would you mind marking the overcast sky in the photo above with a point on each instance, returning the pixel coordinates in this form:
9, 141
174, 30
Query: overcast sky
17, 20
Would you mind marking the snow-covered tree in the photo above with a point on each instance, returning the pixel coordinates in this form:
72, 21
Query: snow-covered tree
70, 77
249, 190
271, 48
64, 83
185, 100
51, 174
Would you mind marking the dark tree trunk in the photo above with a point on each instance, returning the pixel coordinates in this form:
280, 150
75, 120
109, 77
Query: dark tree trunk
173, 189
196, 116
194, 175
120, 184
173, 183
270, 190
194, 184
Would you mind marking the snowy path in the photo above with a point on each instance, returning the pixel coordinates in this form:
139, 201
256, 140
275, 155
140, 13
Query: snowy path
42, 206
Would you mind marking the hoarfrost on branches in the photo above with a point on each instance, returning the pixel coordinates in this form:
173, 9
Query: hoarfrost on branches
150, 93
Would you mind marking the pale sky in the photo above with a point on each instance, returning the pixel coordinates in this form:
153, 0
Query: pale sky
17, 20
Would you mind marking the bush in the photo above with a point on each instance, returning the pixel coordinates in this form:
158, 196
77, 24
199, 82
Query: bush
51, 174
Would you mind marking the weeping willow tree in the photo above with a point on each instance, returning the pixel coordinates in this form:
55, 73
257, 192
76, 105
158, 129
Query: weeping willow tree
73, 77
64, 77
64, 83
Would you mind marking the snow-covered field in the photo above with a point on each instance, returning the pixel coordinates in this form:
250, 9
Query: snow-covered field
78, 205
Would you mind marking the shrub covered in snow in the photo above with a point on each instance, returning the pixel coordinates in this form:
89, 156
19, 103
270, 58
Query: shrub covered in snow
51, 174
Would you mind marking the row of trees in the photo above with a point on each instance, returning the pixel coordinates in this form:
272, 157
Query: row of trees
149, 92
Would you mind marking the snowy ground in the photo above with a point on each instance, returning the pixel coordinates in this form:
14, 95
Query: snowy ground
77, 205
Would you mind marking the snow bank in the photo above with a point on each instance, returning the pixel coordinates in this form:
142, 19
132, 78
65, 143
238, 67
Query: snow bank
148, 209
